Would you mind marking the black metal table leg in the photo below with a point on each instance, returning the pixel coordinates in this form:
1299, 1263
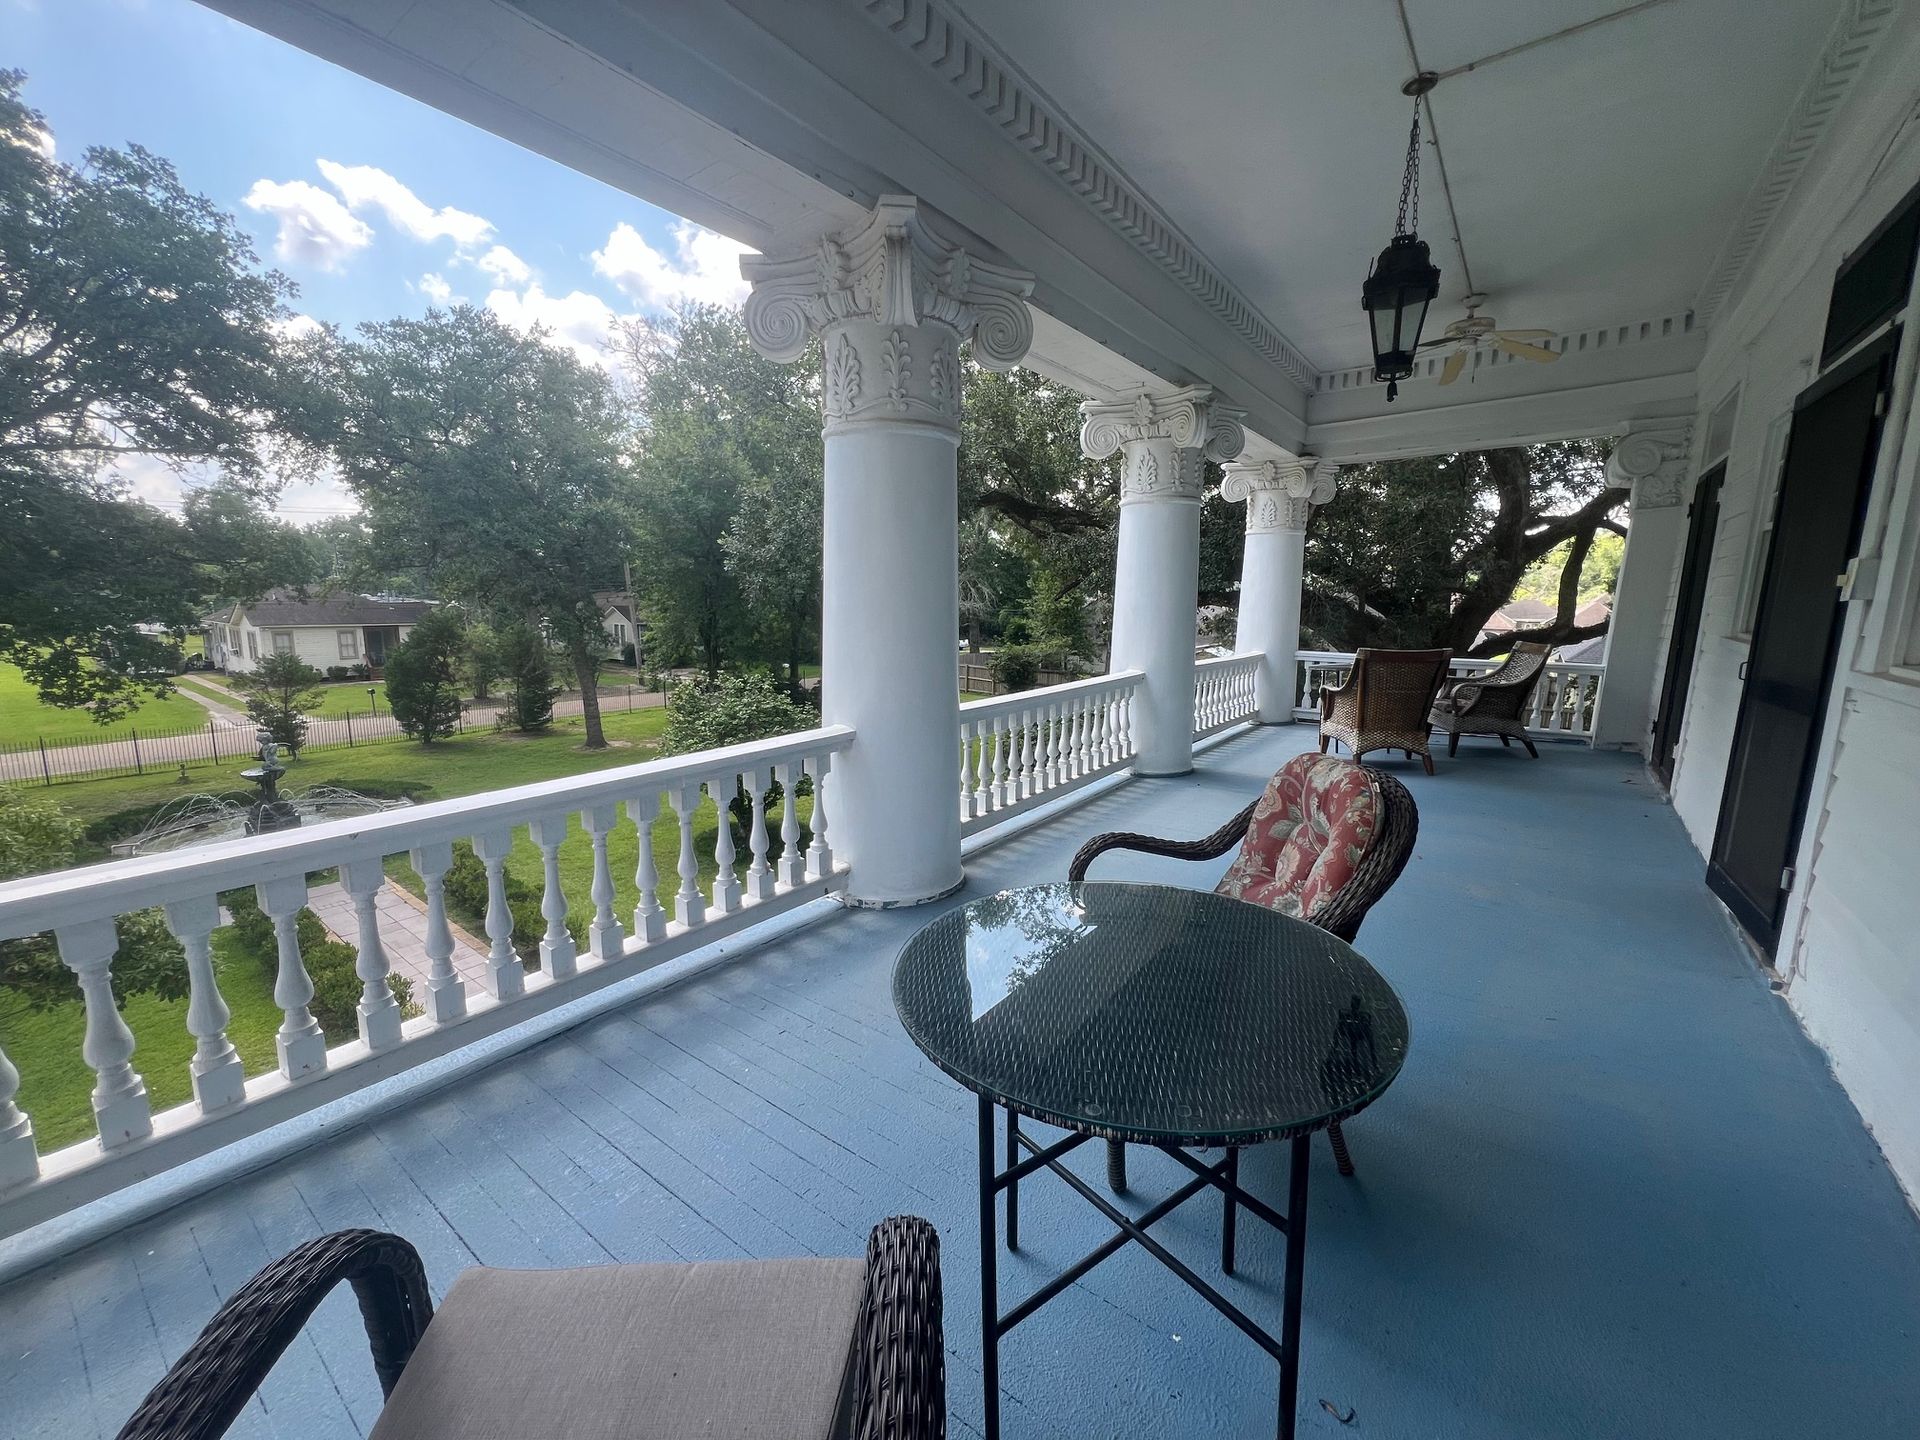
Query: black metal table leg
1227, 1212
989, 1282
1013, 1181
1290, 1296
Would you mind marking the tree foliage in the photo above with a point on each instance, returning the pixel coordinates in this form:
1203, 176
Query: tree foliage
490, 461
423, 676
280, 691
133, 323
528, 669
1419, 553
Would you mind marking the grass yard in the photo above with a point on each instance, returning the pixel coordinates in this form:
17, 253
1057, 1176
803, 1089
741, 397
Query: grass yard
337, 698
24, 719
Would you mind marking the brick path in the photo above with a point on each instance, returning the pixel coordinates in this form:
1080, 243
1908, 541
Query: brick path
403, 932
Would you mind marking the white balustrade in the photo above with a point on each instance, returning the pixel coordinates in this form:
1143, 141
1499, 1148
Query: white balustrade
1017, 749
79, 907
1223, 692
1562, 704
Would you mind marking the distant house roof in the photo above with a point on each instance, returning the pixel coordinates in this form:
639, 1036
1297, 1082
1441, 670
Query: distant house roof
291, 609
1518, 613
1594, 611
1587, 652
615, 600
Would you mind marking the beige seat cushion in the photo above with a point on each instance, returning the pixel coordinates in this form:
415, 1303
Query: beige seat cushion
749, 1350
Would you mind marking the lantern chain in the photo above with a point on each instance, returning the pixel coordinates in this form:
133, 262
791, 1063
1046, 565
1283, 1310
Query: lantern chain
1408, 220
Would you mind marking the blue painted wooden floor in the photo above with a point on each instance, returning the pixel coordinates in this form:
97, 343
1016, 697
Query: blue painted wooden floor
1614, 1193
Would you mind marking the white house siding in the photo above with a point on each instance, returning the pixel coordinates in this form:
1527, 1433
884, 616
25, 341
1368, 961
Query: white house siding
318, 645
1850, 948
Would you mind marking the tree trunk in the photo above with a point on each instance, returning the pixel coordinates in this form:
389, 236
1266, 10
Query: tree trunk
586, 676
796, 630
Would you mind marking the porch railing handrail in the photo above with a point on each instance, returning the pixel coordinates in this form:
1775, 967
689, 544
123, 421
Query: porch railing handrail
1019, 750
675, 914
1223, 691
1562, 705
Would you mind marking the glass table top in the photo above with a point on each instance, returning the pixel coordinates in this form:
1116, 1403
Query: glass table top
1149, 1013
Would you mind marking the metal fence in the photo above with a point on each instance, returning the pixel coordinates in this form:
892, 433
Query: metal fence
137, 751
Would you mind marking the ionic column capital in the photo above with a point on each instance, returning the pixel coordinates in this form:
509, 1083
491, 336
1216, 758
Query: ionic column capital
1651, 460
891, 298
1280, 494
1165, 438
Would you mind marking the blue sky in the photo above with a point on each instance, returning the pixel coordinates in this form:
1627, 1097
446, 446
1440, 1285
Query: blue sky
375, 205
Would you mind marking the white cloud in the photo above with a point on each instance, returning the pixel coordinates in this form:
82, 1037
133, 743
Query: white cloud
705, 266
315, 228
364, 186
505, 267
296, 327
575, 321
435, 288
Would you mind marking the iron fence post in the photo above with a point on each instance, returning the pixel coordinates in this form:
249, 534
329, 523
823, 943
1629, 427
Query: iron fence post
45, 770
349, 729
138, 768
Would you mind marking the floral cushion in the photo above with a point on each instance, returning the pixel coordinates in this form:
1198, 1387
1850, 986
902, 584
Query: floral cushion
1308, 834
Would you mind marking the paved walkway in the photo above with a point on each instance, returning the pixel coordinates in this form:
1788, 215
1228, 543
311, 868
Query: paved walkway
403, 932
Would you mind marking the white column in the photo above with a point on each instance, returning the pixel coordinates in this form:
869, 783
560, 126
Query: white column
1280, 496
1156, 582
1652, 461
891, 299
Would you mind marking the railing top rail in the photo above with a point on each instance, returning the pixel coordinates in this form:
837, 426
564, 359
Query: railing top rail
93, 892
1021, 699
1474, 662
1219, 661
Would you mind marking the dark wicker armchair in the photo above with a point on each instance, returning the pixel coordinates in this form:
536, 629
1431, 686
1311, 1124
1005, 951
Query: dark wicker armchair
1494, 703
1277, 865
1383, 702
754, 1350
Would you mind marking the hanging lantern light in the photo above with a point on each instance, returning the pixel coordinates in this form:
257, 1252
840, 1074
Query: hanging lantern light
1404, 280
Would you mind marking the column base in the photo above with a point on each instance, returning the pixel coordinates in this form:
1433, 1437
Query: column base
1143, 774
861, 902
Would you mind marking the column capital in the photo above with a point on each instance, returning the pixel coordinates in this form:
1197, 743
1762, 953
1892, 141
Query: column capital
1280, 494
891, 298
1165, 437
1651, 460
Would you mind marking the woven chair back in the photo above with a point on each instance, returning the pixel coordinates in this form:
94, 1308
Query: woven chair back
1394, 689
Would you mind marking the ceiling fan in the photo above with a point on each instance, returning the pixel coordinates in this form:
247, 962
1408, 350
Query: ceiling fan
1470, 332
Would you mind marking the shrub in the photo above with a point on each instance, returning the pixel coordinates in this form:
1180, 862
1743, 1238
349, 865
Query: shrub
629, 654
330, 963
278, 695
529, 673
338, 672
731, 710
466, 891
1016, 667
423, 677
484, 663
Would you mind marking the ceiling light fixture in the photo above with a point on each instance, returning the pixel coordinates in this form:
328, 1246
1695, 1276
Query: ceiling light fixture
1404, 280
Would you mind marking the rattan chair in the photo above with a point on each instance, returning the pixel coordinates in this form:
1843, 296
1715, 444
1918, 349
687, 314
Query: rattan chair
753, 1350
1291, 817
1384, 702
1494, 703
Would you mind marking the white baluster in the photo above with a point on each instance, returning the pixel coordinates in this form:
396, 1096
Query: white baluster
1022, 757
820, 853
649, 916
1077, 760
505, 979
219, 1077
301, 1046
793, 861
1002, 772
966, 771
606, 937
446, 991
982, 756
759, 873
726, 884
688, 906
1050, 728
19, 1161
559, 956
379, 1012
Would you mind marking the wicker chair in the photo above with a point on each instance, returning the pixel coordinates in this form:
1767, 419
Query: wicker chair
1296, 845
754, 1350
1494, 703
1384, 701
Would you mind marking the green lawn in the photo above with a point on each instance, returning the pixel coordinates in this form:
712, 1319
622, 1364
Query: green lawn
337, 698
23, 718
46, 1045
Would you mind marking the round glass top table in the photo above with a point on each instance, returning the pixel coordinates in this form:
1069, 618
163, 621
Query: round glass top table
1149, 1015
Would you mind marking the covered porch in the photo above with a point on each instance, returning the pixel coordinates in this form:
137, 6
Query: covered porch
1615, 1192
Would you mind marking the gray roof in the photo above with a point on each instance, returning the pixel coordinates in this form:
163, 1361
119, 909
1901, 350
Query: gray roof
288, 608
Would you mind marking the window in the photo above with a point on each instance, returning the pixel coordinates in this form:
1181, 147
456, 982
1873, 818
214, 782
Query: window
1760, 533
349, 644
253, 649
619, 632
283, 642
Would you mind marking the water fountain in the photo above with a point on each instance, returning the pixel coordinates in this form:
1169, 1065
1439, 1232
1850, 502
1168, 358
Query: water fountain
203, 819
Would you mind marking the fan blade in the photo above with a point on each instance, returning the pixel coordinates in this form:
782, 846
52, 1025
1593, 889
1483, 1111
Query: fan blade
1528, 334
1525, 352
1456, 362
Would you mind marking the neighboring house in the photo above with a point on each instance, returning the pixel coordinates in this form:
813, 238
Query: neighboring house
326, 631
617, 618
214, 627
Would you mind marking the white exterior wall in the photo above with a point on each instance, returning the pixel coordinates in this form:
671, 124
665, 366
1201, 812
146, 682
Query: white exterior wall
1850, 946
318, 645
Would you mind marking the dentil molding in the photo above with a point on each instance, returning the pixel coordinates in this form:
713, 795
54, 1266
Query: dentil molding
1165, 438
891, 298
1280, 494
1652, 462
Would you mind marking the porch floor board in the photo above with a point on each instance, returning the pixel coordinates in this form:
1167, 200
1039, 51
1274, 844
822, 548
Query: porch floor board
1615, 1191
